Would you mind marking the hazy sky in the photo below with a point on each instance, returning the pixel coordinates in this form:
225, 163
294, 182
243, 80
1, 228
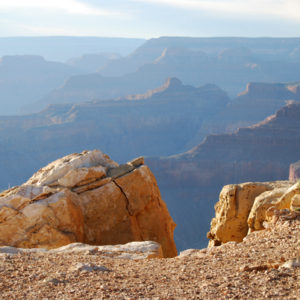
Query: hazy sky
150, 18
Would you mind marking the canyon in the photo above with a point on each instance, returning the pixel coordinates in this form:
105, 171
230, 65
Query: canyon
198, 129
94, 71
160, 124
207, 205
227, 63
262, 152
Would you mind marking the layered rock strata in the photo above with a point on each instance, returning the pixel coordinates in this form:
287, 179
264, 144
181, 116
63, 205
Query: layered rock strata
86, 198
262, 152
247, 207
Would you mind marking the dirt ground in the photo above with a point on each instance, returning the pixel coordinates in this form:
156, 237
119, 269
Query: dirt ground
248, 270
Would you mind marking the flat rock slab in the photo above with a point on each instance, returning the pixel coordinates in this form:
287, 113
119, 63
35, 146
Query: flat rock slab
132, 251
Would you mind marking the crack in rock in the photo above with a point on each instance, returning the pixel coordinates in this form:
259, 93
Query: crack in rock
126, 199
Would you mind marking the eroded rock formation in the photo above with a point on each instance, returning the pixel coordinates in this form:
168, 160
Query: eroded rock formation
294, 173
86, 198
247, 207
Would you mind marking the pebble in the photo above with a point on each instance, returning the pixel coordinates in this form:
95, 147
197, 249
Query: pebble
89, 268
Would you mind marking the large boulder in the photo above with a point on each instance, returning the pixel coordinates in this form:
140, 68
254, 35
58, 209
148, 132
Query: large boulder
86, 198
244, 208
232, 210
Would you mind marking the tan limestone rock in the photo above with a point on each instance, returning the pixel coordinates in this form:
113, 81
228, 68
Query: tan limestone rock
232, 210
246, 207
59, 168
279, 198
148, 209
295, 203
91, 186
51, 223
262, 203
129, 208
75, 200
82, 176
107, 220
138, 161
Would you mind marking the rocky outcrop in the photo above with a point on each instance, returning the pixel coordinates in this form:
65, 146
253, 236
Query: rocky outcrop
232, 210
247, 207
294, 173
275, 91
86, 198
257, 102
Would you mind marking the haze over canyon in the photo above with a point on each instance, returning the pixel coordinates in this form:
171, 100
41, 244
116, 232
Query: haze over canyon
204, 112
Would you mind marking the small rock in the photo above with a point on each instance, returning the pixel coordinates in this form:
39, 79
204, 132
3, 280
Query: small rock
9, 250
54, 281
192, 253
290, 264
89, 268
120, 170
137, 161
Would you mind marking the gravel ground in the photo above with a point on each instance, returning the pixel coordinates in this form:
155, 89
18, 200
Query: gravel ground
248, 270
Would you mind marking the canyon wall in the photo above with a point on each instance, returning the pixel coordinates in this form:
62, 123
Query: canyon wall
190, 182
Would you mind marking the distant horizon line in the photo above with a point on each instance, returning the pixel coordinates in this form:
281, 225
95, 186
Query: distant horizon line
154, 37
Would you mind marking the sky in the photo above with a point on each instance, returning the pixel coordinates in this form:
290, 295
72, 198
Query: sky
150, 18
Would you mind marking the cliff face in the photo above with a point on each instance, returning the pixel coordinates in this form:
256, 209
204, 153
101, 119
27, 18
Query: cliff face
161, 122
276, 140
227, 62
86, 198
247, 207
258, 153
228, 48
257, 102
